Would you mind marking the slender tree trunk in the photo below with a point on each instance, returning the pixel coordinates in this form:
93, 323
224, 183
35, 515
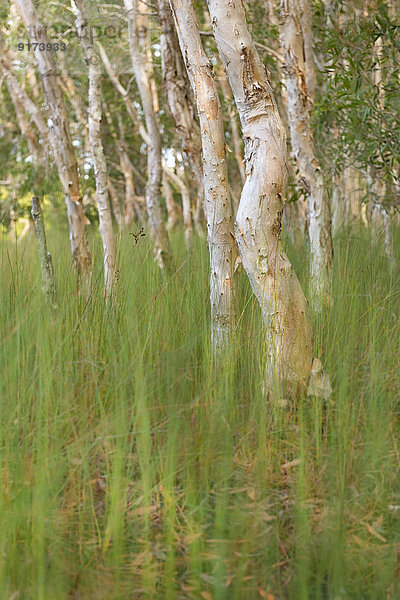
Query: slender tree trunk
259, 218
217, 201
131, 110
20, 94
115, 204
236, 139
137, 43
172, 207
59, 137
380, 186
98, 158
306, 15
179, 96
187, 215
36, 150
311, 176
338, 205
131, 203
46, 264
76, 102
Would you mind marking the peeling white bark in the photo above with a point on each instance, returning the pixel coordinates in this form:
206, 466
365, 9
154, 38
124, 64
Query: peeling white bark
259, 218
217, 201
311, 176
98, 158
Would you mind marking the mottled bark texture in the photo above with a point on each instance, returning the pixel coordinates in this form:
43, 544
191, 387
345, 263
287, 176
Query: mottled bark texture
259, 218
310, 173
179, 96
99, 162
217, 201
59, 137
46, 264
137, 19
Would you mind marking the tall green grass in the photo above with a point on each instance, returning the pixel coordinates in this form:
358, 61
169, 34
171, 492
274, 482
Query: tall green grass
133, 468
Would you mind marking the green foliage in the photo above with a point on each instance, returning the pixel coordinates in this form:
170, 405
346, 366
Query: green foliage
351, 125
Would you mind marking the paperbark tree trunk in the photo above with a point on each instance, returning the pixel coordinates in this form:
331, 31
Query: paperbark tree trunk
22, 103
59, 137
69, 88
115, 205
306, 14
217, 201
379, 185
226, 90
311, 176
259, 218
179, 96
131, 110
99, 162
46, 264
137, 43
20, 94
185, 195
131, 202
173, 209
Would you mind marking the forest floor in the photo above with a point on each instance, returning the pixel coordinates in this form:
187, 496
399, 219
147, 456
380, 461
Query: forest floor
131, 468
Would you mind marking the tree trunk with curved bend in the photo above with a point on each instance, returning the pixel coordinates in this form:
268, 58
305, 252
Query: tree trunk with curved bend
259, 218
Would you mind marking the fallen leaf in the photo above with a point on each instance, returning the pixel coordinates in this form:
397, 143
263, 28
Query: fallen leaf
360, 542
290, 464
375, 533
251, 494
